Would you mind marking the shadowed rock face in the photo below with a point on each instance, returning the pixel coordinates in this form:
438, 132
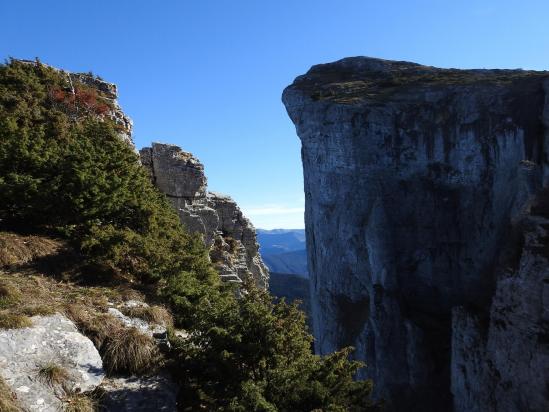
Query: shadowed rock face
229, 234
413, 179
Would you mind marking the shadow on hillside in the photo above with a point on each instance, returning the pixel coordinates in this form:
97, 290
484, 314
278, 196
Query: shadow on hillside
55, 258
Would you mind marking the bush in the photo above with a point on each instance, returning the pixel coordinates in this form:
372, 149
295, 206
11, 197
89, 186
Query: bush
251, 354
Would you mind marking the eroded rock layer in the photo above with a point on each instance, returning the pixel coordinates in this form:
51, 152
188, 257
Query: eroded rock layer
415, 180
229, 234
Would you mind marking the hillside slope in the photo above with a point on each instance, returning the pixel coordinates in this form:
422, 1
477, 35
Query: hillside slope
85, 235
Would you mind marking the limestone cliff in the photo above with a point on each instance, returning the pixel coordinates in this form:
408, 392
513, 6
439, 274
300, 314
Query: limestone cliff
229, 234
422, 248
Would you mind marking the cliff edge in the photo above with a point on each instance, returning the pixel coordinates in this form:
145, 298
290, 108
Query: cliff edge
424, 250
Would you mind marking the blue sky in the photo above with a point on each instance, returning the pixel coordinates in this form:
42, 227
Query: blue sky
208, 74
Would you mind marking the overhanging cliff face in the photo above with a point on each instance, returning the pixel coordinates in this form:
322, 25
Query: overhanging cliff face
413, 179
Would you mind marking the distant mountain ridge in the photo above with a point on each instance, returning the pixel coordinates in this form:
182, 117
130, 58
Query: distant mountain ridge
284, 250
281, 240
294, 262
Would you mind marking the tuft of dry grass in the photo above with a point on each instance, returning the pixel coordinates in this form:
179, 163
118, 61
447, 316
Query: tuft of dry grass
38, 310
78, 402
53, 374
77, 313
129, 350
152, 314
8, 400
122, 349
14, 321
9, 295
96, 326
126, 293
18, 249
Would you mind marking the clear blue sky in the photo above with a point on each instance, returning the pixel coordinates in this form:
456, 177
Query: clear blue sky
208, 74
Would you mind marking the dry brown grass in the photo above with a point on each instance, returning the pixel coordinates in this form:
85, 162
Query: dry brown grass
122, 349
8, 294
14, 321
8, 400
129, 350
78, 402
16, 249
38, 310
53, 374
96, 326
25, 291
152, 314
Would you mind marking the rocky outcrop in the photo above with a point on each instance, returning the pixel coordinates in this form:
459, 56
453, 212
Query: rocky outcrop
180, 176
108, 92
52, 340
230, 236
416, 180
106, 96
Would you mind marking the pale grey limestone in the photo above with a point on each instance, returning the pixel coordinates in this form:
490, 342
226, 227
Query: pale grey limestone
226, 231
51, 340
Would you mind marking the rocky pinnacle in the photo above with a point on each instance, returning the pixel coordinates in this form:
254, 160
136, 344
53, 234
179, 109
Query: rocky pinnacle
227, 232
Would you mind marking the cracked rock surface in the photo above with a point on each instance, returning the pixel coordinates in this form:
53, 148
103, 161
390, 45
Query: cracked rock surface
51, 340
229, 234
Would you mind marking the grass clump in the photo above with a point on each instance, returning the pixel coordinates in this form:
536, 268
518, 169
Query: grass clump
9, 295
96, 326
152, 314
38, 310
122, 349
129, 350
53, 374
14, 321
8, 399
79, 402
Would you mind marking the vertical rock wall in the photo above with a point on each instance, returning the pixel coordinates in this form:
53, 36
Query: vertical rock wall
414, 177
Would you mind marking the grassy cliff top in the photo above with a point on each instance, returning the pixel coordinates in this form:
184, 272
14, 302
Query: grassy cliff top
355, 79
